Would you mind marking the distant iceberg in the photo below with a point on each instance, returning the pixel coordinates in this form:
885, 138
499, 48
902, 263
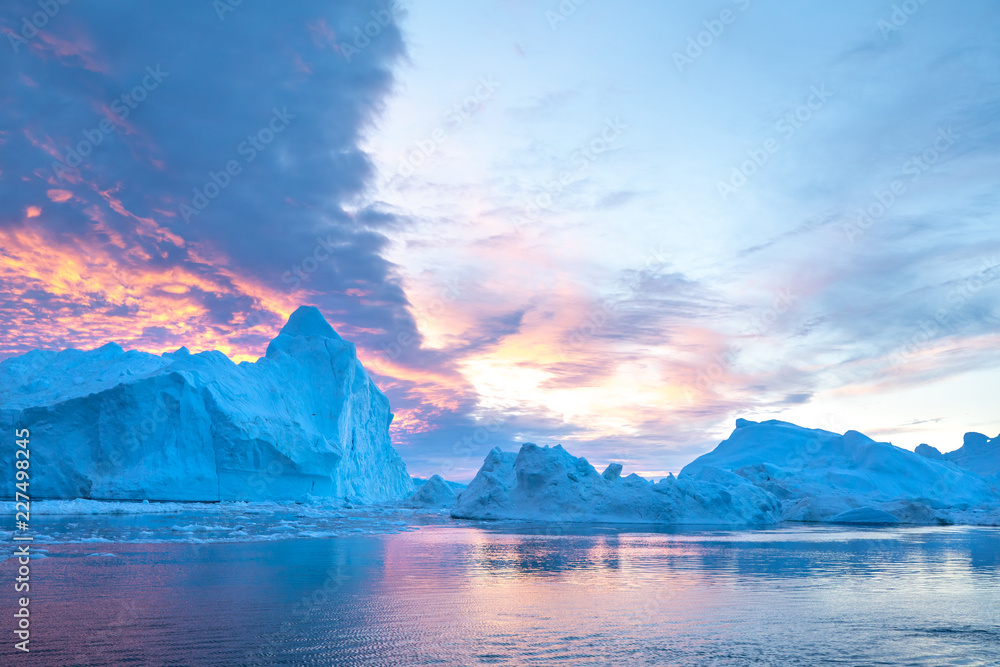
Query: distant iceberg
303, 421
978, 453
763, 473
549, 484
822, 476
435, 492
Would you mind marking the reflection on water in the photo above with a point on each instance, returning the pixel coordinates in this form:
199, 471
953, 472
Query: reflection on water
471, 594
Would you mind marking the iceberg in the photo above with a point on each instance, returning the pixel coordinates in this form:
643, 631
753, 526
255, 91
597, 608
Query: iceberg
978, 453
303, 421
549, 484
456, 487
763, 473
435, 492
822, 476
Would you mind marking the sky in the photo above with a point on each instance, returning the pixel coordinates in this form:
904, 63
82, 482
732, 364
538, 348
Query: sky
615, 226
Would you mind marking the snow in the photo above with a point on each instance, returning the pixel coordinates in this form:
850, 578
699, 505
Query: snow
434, 493
549, 484
929, 452
763, 473
978, 453
822, 476
304, 420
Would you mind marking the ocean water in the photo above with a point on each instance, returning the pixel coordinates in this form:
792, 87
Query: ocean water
436, 592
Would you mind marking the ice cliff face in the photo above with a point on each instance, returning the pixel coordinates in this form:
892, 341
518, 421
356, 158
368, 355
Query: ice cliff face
822, 476
548, 484
305, 419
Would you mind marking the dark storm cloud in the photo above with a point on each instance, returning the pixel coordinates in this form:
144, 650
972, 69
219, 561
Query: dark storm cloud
163, 97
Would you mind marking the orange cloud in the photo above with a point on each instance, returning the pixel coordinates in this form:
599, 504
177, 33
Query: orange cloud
87, 278
59, 196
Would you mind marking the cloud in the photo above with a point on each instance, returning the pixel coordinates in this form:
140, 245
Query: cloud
135, 117
174, 177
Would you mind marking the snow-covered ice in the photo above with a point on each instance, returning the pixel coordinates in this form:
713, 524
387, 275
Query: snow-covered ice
822, 476
435, 492
549, 484
763, 473
305, 419
456, 487
978, 453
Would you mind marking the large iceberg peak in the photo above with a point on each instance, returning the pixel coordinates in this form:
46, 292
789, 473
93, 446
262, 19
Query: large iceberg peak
308, 321
305, 421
